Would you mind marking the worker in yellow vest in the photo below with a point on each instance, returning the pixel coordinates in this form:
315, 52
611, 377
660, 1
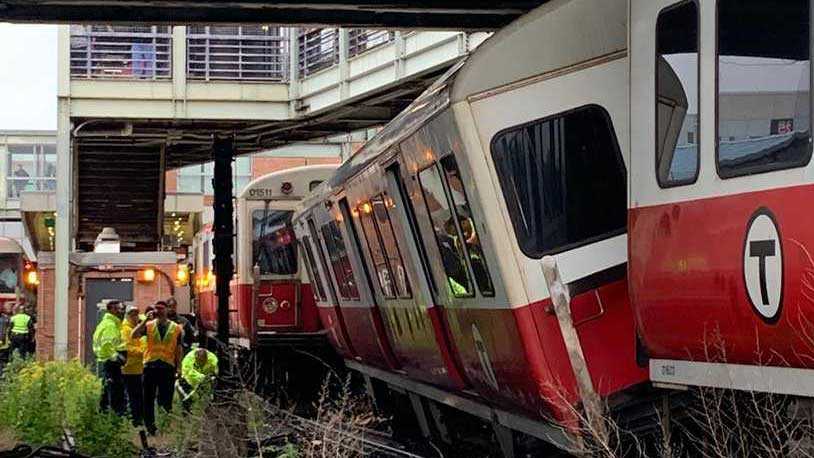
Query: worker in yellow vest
133, 368
109, 350
162, 358
22, 332
198, 371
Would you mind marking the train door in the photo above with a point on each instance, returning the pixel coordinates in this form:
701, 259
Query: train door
277, 300
97, 290
343, 321
427, 310
720, 220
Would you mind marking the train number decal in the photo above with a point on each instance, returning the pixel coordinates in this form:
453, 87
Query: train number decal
763, 265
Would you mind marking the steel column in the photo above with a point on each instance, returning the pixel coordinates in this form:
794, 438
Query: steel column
223, 243
64, 222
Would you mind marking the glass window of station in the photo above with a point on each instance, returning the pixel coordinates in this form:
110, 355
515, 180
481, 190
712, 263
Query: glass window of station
31, 168
197, 179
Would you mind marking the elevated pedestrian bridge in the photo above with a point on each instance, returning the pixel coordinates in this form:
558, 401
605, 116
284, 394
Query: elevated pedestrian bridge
138, 100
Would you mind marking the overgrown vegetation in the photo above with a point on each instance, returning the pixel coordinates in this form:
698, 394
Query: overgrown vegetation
40, 401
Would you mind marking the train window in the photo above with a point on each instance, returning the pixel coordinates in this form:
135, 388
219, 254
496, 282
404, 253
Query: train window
764, 66
446, 231
274, 245
472, 244
408, 195
377, 253
563, 179
312, 185
380, 217
338, 255
313, 272
677, 120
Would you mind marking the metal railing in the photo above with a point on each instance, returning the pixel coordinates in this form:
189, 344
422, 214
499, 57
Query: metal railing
16, 185
318, 49
128, 52
255, 52
362, 40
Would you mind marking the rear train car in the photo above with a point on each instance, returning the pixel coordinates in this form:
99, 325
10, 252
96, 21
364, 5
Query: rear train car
429, 240
271, 300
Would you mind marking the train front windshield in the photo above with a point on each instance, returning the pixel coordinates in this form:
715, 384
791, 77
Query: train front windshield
274, 247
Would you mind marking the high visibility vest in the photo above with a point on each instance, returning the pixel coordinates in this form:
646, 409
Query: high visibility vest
19, 323
159, 349
135, 350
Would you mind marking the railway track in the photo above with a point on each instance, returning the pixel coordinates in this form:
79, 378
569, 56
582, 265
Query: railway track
362, 440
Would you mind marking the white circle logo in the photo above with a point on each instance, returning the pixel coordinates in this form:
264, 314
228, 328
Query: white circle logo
763, 265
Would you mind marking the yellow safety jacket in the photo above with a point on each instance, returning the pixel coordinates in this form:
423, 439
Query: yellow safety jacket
20, 323
195, 374
135, 350
107, 338
159, 349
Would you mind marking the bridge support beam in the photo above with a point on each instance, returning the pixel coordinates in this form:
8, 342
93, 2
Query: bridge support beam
64, 227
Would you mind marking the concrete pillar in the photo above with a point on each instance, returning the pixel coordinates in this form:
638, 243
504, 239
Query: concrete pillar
293, 69
179, 69
344, 67
398, 42
64, 225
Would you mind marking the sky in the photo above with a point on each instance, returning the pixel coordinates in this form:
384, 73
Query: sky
28, 76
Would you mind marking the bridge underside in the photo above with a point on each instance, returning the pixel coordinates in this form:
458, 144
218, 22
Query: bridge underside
423, 14
120, 162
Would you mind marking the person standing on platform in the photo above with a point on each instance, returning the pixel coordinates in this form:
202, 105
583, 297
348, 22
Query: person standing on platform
162, 358
109, 349
134, 366
22, 332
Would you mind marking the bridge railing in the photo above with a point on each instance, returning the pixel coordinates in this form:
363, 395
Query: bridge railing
362, 40
318, 50
247, 52
122, 52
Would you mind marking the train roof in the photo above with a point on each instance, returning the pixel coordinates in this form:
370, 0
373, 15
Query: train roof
557, 35
269, 186
513, 54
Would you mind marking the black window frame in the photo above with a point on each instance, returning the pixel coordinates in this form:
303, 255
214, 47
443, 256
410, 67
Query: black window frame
383, 196
617, 153
467, 254
805, 160
313, 270
694, 179
346, 281
293, 245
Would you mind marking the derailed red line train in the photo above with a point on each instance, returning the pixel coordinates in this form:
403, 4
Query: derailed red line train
659, 150
271, 300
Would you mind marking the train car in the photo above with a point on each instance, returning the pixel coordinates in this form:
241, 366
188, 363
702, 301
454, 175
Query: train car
271, 300
449, 252
659, 152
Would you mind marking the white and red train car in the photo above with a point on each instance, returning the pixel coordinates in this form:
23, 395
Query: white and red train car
658, 150
271, 298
